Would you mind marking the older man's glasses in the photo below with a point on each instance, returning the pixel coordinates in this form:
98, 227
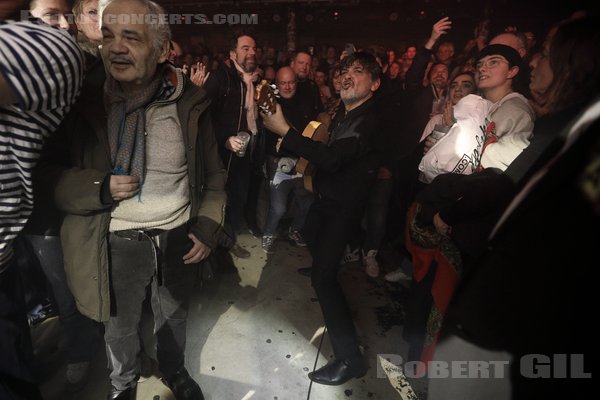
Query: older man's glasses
491, 63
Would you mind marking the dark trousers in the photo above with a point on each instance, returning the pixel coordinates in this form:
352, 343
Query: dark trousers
253, 203
16, 354
237, 188
326, 232
376, 213
80, 331
419, 305
134, 266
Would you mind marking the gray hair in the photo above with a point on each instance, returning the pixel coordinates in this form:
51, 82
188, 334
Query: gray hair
160, 26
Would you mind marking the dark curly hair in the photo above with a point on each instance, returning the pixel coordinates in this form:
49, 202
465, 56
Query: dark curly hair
366, 60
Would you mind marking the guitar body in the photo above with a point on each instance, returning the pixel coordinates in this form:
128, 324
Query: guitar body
317, 132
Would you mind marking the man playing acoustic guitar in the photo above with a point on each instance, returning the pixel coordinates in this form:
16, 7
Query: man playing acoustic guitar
346, 167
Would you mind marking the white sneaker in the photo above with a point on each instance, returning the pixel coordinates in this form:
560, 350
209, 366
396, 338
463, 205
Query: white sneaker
397, 276
370, 263
350, 255
296, 238
267, 242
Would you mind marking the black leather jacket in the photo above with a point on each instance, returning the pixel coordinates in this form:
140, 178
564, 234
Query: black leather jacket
347, 165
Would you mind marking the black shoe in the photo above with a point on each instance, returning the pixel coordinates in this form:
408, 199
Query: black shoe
338, 372
254, 231
127, 394
183, 386
239, 251
305, 271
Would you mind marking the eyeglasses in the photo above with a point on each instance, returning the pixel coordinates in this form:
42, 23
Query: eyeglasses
490, 63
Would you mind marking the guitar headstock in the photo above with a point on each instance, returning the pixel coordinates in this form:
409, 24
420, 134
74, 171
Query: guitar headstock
265, 96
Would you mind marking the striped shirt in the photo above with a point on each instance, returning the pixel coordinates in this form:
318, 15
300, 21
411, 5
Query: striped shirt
44, 67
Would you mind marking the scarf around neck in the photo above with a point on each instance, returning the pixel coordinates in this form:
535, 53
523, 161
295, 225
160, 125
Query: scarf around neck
127, 125
249, 104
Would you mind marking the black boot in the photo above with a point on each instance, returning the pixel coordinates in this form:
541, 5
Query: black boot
239, 251
338, 372
127, 394
306, 271
183, 386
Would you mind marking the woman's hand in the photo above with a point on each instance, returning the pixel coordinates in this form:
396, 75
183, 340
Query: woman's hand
440, 226
198, 74
448, 114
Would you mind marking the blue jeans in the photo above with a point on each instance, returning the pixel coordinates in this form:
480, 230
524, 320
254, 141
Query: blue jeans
278, 195
80, 331
136, 265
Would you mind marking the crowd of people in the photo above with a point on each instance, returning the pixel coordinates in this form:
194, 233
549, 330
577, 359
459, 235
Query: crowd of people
129, 164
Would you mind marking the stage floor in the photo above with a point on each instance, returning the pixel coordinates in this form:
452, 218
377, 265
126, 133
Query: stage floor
254, 332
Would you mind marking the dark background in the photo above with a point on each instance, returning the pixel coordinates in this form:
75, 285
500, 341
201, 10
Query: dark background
393, 24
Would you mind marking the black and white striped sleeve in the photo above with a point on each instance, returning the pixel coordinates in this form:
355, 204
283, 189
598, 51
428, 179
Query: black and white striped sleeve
43, 65
44, 68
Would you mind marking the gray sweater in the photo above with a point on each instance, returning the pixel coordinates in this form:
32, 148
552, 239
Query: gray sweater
164, 201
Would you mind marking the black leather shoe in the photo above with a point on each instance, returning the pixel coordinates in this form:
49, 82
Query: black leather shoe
337, 373
127, 394
305, 271
183, 386
239, 251
254, 231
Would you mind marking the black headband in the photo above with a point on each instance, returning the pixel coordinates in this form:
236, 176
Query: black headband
511, 55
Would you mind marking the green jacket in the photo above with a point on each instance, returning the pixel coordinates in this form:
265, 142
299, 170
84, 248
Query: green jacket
74, 165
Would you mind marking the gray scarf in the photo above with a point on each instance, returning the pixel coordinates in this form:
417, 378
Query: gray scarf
126, 125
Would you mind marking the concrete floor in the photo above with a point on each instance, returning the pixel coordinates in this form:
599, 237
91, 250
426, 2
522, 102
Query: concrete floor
254, 334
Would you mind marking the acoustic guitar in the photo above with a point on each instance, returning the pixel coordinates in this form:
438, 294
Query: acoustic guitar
266, 99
